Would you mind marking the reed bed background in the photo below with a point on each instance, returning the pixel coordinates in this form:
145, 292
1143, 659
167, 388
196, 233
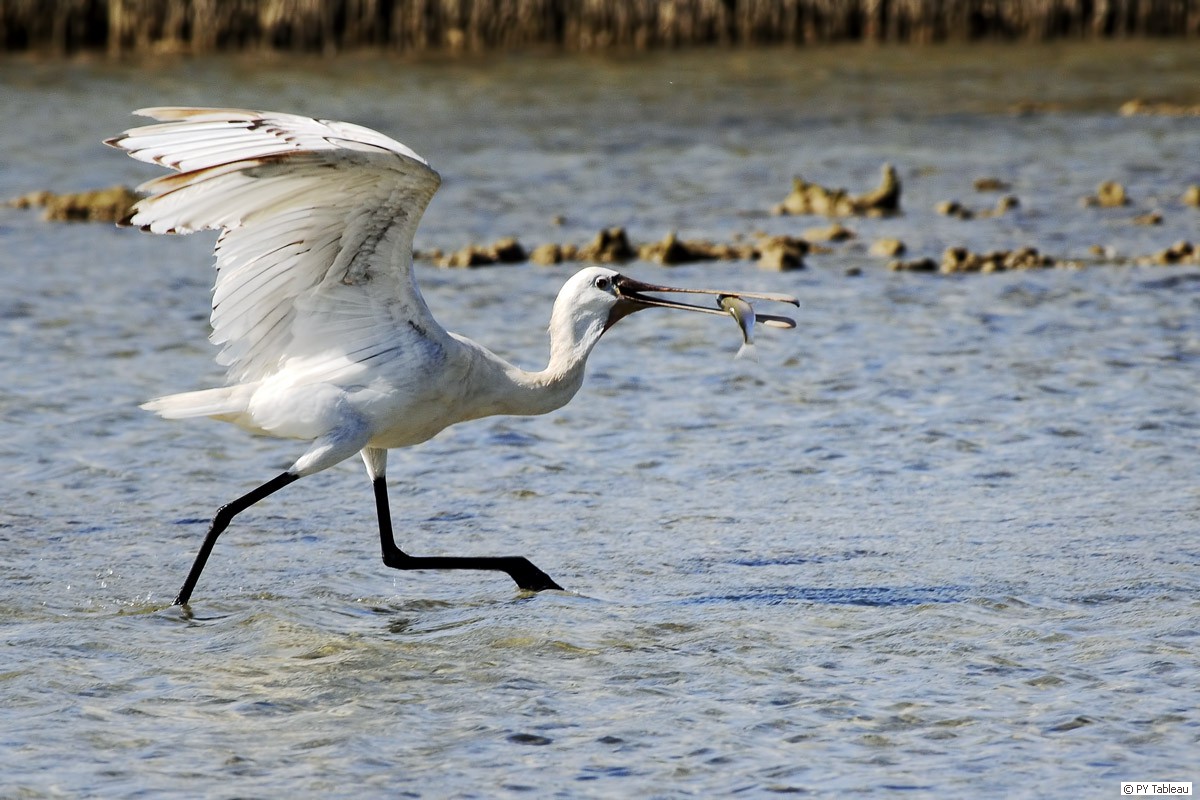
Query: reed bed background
120, 27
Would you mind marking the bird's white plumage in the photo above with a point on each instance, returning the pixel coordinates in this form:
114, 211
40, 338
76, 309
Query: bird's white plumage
320, 321
316, 309
317, 221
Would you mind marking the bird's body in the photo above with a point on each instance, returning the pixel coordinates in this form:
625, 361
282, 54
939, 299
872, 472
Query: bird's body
428, 380
323, 329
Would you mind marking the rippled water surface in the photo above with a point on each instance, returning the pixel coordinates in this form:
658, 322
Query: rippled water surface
942, 538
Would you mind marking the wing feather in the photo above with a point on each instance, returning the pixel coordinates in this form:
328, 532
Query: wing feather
271, 277
317, 217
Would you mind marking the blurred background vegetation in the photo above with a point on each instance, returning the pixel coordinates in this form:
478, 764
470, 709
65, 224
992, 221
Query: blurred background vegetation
118, 27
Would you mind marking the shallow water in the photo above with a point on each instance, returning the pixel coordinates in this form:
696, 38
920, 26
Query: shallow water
944, 537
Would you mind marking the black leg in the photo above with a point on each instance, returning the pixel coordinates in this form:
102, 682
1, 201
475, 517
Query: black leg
519, 568
220, 522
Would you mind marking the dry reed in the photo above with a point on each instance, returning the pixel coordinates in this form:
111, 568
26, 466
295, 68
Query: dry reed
454, 26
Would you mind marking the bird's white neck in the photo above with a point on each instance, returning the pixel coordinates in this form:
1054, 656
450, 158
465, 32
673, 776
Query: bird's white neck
572, 337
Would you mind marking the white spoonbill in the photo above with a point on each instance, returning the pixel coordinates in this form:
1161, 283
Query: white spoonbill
320, 321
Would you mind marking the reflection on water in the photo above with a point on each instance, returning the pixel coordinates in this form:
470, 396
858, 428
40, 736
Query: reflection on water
941, 536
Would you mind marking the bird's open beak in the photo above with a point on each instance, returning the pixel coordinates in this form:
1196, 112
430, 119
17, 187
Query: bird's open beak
633, 293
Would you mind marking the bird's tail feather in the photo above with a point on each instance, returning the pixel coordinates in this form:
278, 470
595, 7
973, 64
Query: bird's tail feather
226, 402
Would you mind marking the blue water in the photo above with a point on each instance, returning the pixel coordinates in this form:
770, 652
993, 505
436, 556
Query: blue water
942, 538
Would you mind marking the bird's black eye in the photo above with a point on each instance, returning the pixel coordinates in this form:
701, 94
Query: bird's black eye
603, 282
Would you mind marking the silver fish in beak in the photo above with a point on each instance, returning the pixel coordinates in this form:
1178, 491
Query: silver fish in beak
742, 313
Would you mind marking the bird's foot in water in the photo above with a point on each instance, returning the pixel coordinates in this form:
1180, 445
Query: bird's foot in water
528, 577
523, 572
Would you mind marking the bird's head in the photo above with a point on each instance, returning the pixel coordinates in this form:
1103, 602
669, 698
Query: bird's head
596, 298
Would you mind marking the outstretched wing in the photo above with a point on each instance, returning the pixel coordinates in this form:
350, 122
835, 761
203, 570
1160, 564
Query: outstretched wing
306, 208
